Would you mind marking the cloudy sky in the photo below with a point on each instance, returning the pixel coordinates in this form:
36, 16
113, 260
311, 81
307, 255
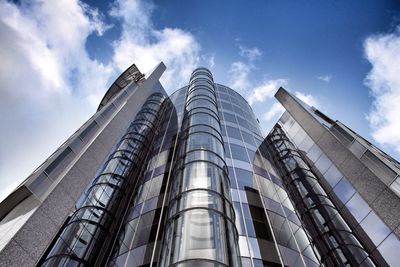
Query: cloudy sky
57, 59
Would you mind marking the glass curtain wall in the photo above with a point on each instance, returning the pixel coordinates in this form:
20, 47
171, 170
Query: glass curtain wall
330, 233
87, 235
199, 228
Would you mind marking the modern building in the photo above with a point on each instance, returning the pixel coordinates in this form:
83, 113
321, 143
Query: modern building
189, 179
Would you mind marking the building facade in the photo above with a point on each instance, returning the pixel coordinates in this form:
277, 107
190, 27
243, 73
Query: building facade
189, 179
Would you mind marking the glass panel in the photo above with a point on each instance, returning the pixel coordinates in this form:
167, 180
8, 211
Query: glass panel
254, 248
323, 163
389, 249
314, 153
358, 207
205, 141
333, 175
244, 178
239, 152
229, 117
200, 234
243, 247
375, 228
344, 190
233, 133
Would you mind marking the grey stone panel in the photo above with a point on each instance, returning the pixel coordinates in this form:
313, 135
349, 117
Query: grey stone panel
36, 234
387, 206
369, 186
337, 152
309, 124
14, 255
352, 168
58, 205
76, 180
113, 130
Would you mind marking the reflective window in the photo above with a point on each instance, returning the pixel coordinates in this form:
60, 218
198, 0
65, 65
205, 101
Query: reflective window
205, 141
375, 228
231, 176
202, 118
248, 220
306, 144
204, 175
248, 138
243, 123
314, 153
243, 247
323, 163
358, 207
333, 176
254, 248
389, 249
200, 234
239, 152
229, 117
244, 178
344, 190
233, 132
226, 106
239, 218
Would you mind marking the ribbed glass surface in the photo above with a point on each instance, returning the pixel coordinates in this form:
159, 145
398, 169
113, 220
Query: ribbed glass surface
330, 233
200, 229
87, 236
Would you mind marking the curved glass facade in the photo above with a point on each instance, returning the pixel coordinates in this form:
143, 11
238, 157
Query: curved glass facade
87, 236
199, 228
330, 233
270, 232
188, 184
191, 180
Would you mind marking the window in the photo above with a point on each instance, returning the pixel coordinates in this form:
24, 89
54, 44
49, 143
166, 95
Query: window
344, 190
239, 152
244, 178
358, 207
333, 176
233, 133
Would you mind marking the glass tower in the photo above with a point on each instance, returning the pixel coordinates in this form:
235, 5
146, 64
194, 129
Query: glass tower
189, 179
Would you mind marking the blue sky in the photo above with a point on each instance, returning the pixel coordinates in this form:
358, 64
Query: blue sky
59, 57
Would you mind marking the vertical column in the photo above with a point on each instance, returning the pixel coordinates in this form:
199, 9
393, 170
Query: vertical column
330, 233
87, 236
200, 229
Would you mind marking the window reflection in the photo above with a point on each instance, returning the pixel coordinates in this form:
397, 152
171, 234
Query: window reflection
375, 228
358, 207
344, 190
389, 249
333, 176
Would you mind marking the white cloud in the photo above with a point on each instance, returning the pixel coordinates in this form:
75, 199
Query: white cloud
43, 61
145, 45
48, 83
265, 90
239, 76
325, 78
275, 111
250, 53
383, 52
307, 98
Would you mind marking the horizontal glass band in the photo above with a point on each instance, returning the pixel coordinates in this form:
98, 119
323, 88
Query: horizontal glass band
204, 99
201, 198
181, 212
202, 88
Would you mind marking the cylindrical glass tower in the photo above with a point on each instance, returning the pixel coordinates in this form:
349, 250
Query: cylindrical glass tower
200, 228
